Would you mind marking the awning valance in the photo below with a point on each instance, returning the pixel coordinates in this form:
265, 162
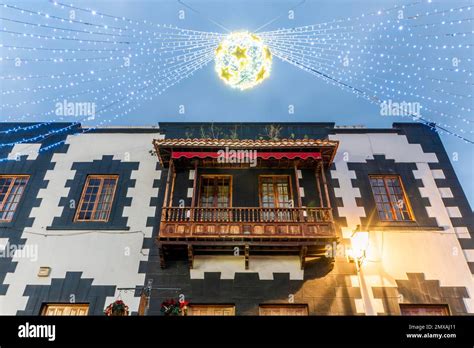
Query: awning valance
246, 153
306, 150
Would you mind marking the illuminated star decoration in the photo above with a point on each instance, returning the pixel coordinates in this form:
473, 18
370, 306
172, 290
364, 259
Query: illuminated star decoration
242, 60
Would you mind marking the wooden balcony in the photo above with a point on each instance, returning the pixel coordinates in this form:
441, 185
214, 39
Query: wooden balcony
246, 223
191, 230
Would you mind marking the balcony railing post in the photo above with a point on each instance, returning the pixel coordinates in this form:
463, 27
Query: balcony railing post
193, 199
298, 193
300, 203
167, 189
326, 191
318, 184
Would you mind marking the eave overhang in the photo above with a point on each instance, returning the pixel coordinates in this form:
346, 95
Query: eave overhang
290, 149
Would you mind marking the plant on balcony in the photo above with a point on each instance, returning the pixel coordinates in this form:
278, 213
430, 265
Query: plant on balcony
234, 134
116, 308
172, 307
272, 132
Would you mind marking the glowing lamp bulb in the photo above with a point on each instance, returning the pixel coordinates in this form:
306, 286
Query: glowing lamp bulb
360, 242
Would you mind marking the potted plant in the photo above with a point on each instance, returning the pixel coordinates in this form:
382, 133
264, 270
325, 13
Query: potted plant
172, 307
116, 308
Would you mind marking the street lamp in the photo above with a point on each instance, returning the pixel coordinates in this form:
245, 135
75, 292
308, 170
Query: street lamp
359, 244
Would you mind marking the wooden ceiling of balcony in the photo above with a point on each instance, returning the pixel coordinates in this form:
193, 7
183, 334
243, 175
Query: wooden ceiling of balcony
327, 148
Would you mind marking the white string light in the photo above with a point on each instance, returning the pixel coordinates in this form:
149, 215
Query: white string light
399, 68
389, 54
190, 46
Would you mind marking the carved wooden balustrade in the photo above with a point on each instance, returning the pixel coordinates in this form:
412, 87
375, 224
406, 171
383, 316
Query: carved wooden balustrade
246, 222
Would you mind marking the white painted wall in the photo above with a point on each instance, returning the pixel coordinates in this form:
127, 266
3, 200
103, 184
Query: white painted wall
393, 254
109, 257
113, 257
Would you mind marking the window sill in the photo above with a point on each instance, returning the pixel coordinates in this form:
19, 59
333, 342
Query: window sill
87, 227
393, 226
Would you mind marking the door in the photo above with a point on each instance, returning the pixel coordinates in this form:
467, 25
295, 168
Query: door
298, 310
409, 309
217, 310
215, 194
65, 309
275, 192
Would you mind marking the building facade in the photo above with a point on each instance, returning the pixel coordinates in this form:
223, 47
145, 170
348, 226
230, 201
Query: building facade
234, 219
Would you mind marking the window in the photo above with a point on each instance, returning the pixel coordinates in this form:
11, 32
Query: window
429, 309
65, 309
97, 197
275, 192
217, 310
11, 190
283, 310
390, 199
215, 192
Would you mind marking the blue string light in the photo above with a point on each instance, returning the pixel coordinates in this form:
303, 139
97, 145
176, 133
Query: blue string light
377, 46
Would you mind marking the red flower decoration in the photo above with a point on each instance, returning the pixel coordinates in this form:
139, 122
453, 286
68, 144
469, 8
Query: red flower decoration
117, 308
173, 307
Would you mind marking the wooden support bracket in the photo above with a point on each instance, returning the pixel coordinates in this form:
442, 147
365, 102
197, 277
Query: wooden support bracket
162, 256
247, 256
303, 252
190, 256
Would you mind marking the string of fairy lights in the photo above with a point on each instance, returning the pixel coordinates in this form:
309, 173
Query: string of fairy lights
418, 52
167, 63
350, 57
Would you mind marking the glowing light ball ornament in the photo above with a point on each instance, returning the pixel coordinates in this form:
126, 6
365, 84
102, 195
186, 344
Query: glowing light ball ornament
243, 60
